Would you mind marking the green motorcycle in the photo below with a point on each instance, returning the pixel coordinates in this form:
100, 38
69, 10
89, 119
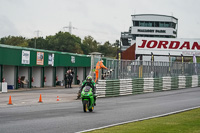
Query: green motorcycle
87, 99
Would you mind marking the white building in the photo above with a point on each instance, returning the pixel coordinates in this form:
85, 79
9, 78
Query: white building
149, 25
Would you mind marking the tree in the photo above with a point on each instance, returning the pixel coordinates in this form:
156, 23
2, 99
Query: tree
39, 43
108, 49
89, 45
15, 41
65, 42
116, 44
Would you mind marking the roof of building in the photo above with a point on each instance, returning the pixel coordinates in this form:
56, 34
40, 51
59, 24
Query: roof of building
95, 53
154, 15
38, 50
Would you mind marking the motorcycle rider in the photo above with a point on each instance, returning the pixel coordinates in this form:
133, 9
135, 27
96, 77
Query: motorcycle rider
89, 82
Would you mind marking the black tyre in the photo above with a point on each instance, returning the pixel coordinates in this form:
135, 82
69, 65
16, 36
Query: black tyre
91, 109
85, 106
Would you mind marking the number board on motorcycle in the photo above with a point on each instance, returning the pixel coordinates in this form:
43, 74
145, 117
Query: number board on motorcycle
87, 88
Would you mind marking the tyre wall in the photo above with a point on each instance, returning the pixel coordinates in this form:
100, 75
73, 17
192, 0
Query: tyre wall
110, 88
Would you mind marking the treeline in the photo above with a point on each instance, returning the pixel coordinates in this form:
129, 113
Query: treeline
64, 42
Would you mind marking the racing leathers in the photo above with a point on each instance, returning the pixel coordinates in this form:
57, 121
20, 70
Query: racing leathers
90, 83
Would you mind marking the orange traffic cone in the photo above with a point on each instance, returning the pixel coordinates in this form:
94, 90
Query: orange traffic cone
40, 99
58, 98
10, 101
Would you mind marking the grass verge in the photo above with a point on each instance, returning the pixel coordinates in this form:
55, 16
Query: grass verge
185, 122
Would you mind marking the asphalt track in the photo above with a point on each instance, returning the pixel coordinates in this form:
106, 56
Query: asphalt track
69, 117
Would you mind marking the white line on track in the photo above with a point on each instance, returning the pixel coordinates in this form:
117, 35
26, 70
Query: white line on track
175, 112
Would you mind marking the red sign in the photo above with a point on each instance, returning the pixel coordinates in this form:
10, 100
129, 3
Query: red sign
164, 46
169, 45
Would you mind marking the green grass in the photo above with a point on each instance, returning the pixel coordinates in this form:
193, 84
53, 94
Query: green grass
186, 122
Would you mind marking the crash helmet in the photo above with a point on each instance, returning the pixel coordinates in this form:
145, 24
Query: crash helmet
88, 78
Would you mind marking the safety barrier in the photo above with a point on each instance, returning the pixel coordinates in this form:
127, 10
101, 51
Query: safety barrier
110, 88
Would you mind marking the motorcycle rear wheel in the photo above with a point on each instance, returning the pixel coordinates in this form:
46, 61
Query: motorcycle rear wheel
91, 109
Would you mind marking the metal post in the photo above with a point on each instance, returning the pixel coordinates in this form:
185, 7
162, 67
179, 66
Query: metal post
42, 75
177, 73
152, 64
92, 64
16, 76
141, 66
182, 63
54, 76
75, 75
169, 64
65, 80
122, 70
30, 77
84, 73
117, 69
192, 68
35, 42
1, 75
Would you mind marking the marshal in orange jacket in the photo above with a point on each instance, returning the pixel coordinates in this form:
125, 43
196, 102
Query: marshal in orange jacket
99, 65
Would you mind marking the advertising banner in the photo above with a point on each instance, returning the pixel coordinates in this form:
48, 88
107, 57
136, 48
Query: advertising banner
51, 59
166, 46
73, 59
25, 57
40, 58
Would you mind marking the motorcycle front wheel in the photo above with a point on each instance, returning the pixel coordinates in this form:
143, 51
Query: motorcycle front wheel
85, 106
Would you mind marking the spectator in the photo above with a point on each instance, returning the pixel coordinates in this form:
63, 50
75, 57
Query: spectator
70, 78
66, 79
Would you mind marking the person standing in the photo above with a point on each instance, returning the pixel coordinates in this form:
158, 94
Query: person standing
70, 79
99, 65
66, 79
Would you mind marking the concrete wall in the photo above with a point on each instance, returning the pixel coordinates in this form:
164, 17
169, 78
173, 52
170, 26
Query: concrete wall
60, 72
80, 74
73, 76
23, 71
36, 73
87, 71
9, 74
48, 72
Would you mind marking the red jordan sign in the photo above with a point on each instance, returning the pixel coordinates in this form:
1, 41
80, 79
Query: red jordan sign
164, 46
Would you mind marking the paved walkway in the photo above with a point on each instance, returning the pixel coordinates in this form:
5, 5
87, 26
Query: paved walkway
27, 96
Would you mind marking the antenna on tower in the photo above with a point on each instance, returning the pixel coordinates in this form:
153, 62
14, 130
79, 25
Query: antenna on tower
70, 27
37, 32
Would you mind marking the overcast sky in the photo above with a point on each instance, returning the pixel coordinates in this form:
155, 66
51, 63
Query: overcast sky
104, 20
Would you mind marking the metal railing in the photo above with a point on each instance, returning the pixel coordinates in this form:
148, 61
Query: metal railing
124, 69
